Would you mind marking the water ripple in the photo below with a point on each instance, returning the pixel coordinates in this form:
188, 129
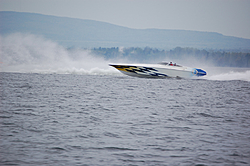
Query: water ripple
53, 119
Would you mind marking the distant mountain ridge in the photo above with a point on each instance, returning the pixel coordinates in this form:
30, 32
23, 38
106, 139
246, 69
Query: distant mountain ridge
72, 32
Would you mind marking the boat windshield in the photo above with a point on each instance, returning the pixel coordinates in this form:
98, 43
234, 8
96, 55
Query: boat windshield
163, 63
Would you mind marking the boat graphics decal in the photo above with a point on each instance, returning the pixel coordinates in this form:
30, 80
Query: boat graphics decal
140, 70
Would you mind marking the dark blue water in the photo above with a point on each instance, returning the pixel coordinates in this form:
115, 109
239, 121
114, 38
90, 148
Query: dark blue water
57, 119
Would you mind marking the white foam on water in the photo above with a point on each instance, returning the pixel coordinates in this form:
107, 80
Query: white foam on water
231, 75
27, 53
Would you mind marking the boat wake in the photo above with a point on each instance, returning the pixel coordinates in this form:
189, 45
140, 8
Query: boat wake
231, 75
27, 53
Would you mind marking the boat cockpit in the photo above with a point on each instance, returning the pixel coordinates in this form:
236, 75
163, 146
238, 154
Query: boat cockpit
169, 64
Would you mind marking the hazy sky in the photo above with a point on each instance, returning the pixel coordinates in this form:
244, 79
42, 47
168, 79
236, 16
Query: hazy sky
229, 17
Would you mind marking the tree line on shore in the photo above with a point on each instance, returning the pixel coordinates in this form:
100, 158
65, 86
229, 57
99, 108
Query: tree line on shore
147, 54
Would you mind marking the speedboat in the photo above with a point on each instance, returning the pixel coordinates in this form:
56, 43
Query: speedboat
160, 70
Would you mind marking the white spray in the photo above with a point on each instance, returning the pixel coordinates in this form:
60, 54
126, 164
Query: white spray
30, 53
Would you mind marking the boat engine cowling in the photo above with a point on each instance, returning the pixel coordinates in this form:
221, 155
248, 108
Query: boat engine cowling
199, 72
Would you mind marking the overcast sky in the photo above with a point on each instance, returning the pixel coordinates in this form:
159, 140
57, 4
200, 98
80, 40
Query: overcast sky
229, 17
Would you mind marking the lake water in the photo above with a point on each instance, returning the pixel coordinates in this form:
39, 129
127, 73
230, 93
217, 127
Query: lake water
79, 119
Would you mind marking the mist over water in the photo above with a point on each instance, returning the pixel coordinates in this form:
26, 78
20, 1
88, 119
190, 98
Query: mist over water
27, 53
30, 53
